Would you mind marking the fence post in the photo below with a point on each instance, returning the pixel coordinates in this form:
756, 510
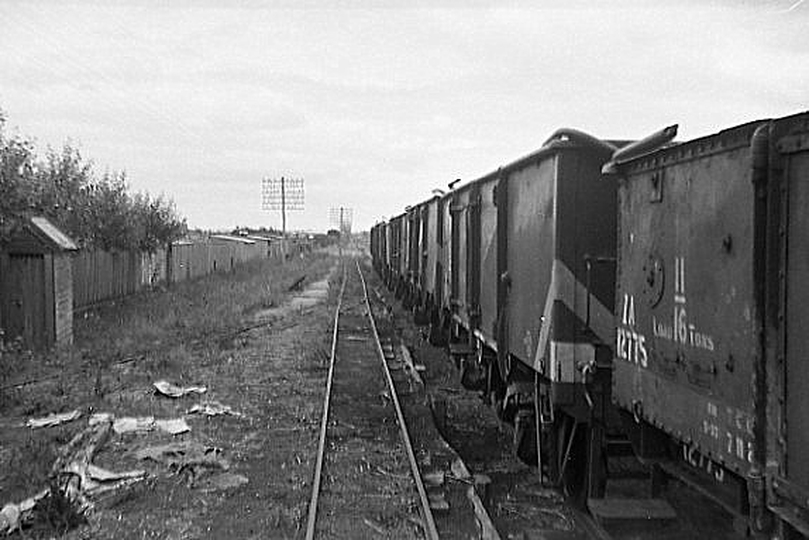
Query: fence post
169, 266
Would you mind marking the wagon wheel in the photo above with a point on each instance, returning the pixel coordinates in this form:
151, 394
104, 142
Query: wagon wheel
525, 437
495, 388
437, 337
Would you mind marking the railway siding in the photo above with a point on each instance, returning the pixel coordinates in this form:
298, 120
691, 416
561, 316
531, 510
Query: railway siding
459, 511
368, 487
365, 489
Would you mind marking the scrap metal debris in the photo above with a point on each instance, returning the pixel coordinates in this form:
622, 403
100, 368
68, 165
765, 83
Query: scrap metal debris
77, 485
212, 408
131, 424
14, 516
172, 426
77, 479
98, 418
94, 480
54, 419
173, 391
74, 480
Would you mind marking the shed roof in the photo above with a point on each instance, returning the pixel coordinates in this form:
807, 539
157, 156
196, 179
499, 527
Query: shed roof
228, 238
260, 238
49, 235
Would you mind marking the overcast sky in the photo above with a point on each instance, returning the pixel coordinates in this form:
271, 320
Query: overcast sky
376, 103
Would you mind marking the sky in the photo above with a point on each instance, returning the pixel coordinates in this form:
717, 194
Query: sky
373, 103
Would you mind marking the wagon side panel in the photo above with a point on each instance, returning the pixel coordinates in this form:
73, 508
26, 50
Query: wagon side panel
686, 342
531, 240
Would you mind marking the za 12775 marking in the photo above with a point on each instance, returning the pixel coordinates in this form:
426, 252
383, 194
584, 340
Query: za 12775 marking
630, 344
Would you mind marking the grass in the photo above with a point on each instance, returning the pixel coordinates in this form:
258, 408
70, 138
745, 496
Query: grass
192, 311
121, 348
168, 328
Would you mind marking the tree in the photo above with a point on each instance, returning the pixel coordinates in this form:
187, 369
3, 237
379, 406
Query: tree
95, 212
16, 164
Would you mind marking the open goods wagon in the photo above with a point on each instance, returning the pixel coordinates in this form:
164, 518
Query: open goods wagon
532, 277
712, 333
523, 261
427, 277
699, 349
397, 252
408, 252
378, 247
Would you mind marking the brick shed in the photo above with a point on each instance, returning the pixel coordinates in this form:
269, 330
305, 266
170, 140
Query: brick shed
36, 285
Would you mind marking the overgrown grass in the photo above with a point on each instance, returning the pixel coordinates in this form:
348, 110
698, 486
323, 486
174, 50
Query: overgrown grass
120, 349
193, 311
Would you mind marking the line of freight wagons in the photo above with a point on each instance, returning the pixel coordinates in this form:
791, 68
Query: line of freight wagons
651, 295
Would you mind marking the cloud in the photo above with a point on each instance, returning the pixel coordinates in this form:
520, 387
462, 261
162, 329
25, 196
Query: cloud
376, 105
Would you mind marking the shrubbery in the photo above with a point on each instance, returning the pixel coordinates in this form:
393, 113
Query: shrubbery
96, 211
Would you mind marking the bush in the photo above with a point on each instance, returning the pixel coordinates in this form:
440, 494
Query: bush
94, 211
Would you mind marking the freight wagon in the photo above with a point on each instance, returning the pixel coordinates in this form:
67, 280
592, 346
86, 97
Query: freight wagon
516, 271
710, 361
649, 295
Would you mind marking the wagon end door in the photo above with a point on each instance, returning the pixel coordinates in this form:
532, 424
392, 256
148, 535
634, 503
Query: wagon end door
473, 257
790, 436
440, 246
424, 242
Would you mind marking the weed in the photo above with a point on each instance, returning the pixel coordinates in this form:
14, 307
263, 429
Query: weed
29, 464
120, 349
13, 360
56, 512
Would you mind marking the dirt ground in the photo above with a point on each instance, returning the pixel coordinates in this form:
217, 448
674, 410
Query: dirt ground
519, 507
261, 352
263, 357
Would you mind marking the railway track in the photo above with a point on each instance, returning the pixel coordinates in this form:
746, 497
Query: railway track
366, 482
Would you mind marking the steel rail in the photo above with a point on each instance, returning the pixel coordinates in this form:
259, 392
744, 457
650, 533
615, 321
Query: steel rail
429, 528
324, 421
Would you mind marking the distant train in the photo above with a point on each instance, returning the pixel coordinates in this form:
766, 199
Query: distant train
607, 294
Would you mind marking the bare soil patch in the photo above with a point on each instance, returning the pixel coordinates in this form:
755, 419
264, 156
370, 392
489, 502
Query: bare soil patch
249, 474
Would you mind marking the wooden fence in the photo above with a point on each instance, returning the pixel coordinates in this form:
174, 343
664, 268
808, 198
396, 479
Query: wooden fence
40, 298
100, 276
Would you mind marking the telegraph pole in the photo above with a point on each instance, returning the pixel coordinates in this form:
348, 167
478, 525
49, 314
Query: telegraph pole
283, 221
282, 194
341, 218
